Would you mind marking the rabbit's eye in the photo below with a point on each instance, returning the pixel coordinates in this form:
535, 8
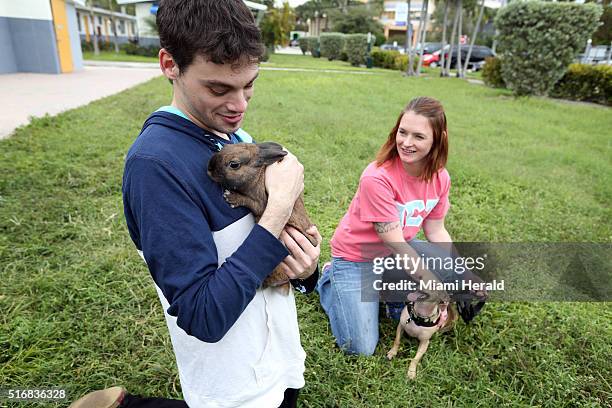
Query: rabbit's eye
234, 165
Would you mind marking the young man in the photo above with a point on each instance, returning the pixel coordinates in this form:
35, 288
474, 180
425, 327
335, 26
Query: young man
236, 345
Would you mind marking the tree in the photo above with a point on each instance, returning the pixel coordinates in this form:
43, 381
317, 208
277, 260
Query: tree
444, 24
96, 47
111, 7
277, 25
469, 53
357, 21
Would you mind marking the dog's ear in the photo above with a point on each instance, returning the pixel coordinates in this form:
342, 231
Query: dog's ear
269, 153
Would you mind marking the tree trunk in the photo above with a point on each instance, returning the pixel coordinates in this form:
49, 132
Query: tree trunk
410, 67
423, 35
114, 27
450, 48
460, 11
95, 33
469, 53
419, 33
442, 70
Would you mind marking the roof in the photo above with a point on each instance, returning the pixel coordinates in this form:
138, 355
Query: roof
105, 12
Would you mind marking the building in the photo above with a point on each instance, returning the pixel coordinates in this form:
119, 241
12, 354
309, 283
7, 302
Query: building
125, 24
395, 15
39, 36
146, 11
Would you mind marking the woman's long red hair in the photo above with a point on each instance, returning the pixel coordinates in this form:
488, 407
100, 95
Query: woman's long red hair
436, 158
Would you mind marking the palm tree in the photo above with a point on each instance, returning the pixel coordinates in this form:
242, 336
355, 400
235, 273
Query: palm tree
410, 67
476, 28
444, 24
111, 7
92, 17
460, 13
450, 48
424, 18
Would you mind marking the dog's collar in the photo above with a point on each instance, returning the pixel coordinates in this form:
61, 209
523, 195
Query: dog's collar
427, 321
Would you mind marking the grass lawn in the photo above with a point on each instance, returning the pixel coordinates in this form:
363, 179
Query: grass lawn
79, 309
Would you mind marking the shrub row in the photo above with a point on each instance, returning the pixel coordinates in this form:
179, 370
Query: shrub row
144, 51
331, 45
337, 46
102, 45
391, 60
581, 82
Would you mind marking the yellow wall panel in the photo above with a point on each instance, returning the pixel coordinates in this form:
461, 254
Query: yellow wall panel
62, 37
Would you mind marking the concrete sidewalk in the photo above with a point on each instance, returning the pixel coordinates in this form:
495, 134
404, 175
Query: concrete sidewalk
26, 94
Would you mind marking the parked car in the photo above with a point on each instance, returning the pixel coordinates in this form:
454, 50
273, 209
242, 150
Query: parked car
392, 47
598, 54
429, 47
477, 57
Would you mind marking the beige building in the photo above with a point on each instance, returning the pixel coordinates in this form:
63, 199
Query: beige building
395, 15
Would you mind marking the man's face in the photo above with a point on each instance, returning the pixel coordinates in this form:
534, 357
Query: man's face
216, 95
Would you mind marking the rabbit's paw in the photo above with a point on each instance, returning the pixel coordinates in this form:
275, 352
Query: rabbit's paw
232, 198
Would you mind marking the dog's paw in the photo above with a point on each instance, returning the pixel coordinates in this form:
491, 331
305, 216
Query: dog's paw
411, 373
392, 353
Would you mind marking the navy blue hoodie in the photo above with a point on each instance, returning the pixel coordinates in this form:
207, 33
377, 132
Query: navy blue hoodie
173, 208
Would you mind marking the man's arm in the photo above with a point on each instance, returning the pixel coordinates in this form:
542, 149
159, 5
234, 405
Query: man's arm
178, 246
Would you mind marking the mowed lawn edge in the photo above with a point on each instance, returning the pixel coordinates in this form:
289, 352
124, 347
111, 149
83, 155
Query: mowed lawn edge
80, 311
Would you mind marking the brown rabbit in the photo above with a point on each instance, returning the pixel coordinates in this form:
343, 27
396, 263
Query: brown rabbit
240, 169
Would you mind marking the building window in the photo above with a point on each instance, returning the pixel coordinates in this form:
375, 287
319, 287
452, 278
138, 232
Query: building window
100, 20
121, 27
79, 22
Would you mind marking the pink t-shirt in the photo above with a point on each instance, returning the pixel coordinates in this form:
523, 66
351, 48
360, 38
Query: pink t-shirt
387, 194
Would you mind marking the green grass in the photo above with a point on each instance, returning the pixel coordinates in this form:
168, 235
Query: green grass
112, 56
79, 309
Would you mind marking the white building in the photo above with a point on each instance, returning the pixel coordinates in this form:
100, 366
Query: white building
39, 36
146, 10
125, 24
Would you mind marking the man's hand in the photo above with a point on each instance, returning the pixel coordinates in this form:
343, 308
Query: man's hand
284, 183
304, 256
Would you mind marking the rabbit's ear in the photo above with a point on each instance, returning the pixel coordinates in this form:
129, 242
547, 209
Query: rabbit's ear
270, 152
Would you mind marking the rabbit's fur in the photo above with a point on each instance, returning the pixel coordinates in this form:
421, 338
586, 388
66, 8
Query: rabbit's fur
240, 169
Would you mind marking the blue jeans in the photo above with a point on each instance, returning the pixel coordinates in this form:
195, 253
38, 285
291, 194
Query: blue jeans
354, 322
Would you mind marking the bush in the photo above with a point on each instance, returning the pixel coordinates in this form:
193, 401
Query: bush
583, 82
392, 60
303, 42
313, 46
356, 48
134, 49
540, 39
389, 59
378, 56
331, 45
86, 46
492, 73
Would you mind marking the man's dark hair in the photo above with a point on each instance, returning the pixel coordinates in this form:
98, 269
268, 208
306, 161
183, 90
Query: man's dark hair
221, 31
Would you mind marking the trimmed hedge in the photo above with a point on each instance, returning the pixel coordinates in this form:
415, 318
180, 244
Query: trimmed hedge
313, 46
540, 39
331, 45
391, 60
584, 82
356, 47
492, 73
133, 49
303, 43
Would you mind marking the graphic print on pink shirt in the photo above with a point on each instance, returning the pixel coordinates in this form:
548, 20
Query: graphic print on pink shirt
388, 194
